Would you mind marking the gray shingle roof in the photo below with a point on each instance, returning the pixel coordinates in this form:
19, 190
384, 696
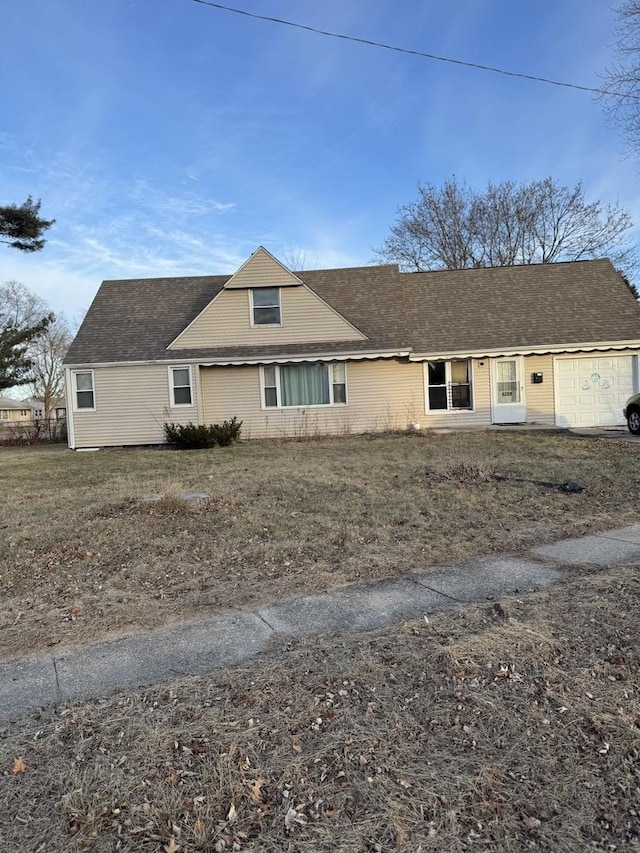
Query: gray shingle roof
9, 403
135, 319
510, 308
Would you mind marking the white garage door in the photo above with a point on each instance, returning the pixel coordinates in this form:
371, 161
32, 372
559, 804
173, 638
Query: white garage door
592, 391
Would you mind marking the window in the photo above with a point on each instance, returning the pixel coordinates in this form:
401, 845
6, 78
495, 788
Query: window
265, 306
339, 382
309, 384
508, 387
270, 384
180, 381
449, 385
84, 394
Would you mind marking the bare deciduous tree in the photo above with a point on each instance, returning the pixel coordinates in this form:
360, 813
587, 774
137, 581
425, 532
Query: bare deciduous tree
39, 356
298, 259
20, 306
456, 227
47, 353
22, 320
622, 79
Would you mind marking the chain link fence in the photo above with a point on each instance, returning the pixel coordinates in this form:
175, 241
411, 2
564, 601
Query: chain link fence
35, 431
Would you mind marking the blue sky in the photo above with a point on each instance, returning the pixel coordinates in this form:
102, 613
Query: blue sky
169, 138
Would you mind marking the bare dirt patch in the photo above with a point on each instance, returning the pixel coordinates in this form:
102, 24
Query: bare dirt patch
85, 553
504, 727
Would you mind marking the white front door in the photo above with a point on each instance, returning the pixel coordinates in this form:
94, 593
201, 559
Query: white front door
507, 391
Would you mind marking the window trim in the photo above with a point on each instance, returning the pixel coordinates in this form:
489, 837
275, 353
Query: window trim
252, 307
264, 386
74, 376
279, 407
447, 377
172, 387
332, 383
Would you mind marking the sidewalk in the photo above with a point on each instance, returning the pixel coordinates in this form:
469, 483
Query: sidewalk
195, 648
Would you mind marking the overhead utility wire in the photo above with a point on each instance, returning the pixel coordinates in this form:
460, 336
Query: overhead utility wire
413, 52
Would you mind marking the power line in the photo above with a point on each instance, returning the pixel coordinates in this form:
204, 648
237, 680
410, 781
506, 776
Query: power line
419, 53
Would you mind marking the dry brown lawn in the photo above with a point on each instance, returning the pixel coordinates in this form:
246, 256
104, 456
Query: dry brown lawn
504, 729
85, 555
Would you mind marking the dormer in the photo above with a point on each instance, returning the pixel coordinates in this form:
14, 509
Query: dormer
265, 303
263, 276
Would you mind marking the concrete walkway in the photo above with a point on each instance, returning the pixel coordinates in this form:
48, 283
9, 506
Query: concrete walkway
194, 648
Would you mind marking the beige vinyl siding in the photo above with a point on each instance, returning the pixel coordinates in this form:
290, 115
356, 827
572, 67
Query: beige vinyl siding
481, 395
539, 398
226, 321
132, 404
381, 395
262, 270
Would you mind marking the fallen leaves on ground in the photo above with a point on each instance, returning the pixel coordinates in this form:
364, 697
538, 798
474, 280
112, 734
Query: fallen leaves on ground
18, 766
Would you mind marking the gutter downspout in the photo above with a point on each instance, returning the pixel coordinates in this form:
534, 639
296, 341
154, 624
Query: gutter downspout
71, 436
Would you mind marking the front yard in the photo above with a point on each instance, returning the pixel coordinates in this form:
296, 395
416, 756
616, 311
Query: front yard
502, 726
85, 555
499, 729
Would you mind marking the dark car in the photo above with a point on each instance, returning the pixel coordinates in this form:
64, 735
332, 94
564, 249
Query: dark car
631, 412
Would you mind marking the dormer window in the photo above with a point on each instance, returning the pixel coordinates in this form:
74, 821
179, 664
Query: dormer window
265, 306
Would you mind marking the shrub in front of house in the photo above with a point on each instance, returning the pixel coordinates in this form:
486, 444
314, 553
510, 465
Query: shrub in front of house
201, 436
227, 432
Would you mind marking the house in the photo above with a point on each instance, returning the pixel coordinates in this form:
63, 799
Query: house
57, 408
13, 412
36, 407
353, 350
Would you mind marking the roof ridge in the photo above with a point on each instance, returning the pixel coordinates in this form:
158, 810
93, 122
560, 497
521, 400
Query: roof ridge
349, 269
168, 278
537, 265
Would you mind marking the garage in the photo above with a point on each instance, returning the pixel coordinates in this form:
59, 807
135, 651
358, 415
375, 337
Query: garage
592, 390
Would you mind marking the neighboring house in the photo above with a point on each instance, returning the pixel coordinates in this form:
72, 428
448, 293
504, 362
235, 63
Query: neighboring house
57, 405
13, 412
353, 350
36, 407
59, 408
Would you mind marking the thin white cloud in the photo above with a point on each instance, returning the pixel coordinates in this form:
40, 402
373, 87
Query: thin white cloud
63, 288
190, 205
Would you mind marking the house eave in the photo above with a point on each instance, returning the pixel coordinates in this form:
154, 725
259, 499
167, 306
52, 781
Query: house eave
556, 349
354, 355
288, 359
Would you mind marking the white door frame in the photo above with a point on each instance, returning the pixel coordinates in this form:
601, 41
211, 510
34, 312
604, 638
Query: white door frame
508, 413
